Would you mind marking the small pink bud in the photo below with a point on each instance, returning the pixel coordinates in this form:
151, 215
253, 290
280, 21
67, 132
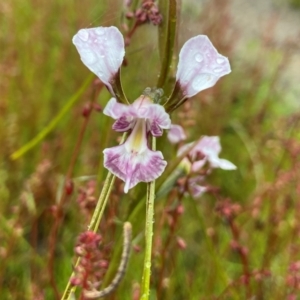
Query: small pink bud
103, 264
137, 248
129, 15
180, 209
86, 110
69, 186
75, 281
181, 243
54, 210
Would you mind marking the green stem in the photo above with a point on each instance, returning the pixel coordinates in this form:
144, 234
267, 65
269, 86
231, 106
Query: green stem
105, 193
101, 210
95, 221
148, 236
42, 134
93, 226
167, 36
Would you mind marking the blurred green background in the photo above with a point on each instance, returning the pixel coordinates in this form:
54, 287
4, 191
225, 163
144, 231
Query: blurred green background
253, 254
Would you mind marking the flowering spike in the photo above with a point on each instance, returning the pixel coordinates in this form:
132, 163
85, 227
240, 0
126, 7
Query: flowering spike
200, 66
102, 50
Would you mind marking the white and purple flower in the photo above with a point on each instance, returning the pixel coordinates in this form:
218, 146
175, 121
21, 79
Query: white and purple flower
206, 150
133, 161
102, 50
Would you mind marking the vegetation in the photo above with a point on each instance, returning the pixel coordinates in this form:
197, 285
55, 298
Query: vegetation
239, 240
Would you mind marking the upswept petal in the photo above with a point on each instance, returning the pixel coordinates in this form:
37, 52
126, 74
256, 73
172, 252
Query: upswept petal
133, 168
102, 50
200, 65
176, 134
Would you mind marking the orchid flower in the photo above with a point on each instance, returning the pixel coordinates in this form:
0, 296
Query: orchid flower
102, 50
208, 149
133, 161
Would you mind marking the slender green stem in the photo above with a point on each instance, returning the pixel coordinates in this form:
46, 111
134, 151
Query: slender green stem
167, 36
148, 236
101, 202
42, 134
104, 202
95, 221
93, 226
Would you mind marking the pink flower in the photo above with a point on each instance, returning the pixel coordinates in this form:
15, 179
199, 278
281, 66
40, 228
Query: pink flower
133, 161
200, 66
208, 149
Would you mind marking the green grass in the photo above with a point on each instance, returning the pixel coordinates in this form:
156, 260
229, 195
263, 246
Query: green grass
40, 70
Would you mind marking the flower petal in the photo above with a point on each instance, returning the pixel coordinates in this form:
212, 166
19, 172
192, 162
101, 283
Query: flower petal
115, 109
197, 190
119, 112
200, 65
195, 186
209, 146
176, 134
102, 50
198, 165
133, 168
123, 124
222, 164
158, 119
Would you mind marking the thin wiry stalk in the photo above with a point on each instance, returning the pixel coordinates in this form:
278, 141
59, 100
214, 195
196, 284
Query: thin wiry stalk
148, 235
95, 221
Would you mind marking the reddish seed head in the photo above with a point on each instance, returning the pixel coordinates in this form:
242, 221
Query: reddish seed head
92, 264
227, 209
295, 267
75, 281
103, 264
